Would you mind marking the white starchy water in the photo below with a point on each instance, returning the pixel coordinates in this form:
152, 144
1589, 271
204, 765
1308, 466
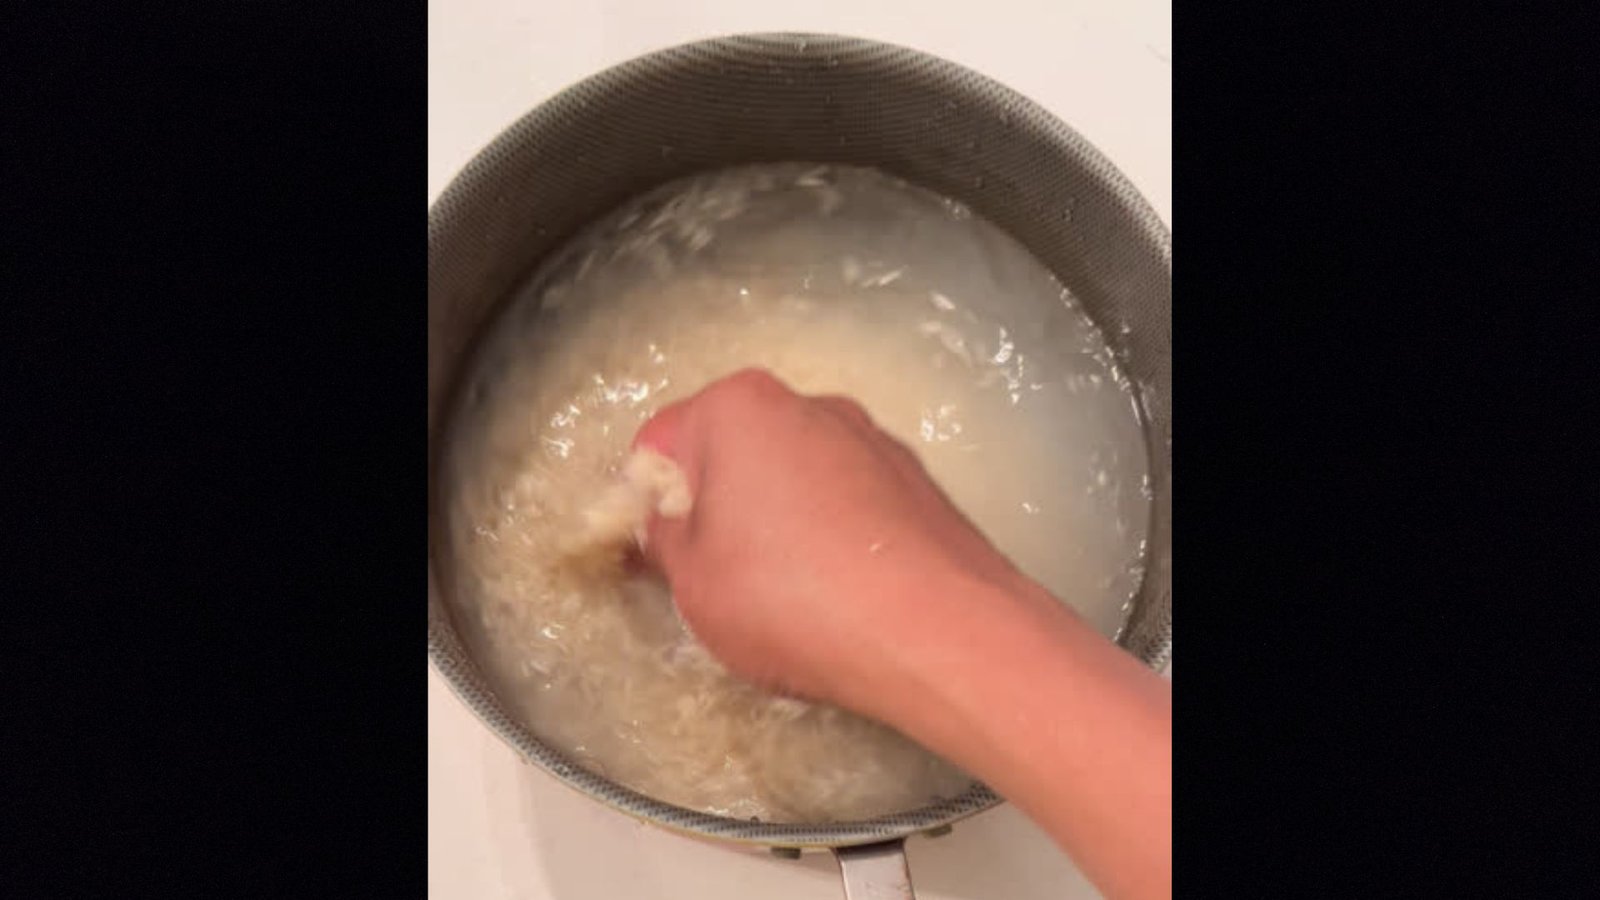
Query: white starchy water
839, 281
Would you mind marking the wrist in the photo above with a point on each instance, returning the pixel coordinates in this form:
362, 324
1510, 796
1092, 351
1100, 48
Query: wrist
957, 632
986, 660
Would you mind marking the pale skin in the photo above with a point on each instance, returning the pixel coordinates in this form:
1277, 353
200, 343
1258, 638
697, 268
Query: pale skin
820, 559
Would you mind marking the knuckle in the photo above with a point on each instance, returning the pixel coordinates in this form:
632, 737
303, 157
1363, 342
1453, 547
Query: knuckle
744, 386
848, 405
754, 380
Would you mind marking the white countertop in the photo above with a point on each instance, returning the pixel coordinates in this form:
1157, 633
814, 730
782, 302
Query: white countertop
498, 828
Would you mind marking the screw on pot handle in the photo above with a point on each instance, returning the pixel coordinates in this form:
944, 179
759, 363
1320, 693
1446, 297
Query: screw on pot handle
875, 871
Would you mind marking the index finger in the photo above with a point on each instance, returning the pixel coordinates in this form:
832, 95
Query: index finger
662, 431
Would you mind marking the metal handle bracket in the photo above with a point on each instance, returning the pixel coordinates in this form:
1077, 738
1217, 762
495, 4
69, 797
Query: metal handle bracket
875, 871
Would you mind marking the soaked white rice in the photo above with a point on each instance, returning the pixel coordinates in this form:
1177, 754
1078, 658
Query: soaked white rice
839, 281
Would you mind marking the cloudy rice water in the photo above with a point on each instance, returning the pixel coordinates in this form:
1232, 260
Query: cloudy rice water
839, 281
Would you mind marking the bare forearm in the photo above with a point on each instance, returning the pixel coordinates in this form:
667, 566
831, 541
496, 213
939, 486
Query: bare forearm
1024, 695
804, 511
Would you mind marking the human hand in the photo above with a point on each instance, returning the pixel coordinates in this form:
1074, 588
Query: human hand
813, 536
819, 558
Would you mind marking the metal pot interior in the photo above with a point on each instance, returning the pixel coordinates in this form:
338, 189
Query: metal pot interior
768, 98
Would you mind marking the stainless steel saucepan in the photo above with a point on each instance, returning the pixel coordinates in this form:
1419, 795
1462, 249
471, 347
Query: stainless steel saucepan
824, 99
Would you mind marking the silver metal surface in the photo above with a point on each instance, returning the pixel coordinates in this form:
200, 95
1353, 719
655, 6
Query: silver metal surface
876, 871
814, 98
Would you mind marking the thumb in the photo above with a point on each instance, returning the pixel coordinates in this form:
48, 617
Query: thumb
666, 543
666, 537
663, 432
